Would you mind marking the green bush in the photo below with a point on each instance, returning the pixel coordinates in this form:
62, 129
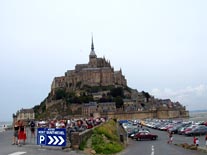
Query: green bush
107, 148
82, 145
108, 133
105, 139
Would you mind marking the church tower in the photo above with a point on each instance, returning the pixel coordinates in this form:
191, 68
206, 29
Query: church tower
92, 56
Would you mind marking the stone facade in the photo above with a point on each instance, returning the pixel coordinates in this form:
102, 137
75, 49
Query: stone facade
107, 107
88, 109
97, 72
25, 114
160, 114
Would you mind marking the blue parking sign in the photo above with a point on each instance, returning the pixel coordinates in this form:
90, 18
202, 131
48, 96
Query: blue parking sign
51, 136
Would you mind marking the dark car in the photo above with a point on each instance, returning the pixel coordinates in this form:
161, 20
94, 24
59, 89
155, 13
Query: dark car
177, 127
135, 131
145, 136
200, 130
204, 123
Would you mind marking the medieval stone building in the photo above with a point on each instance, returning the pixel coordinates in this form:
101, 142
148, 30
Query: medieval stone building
97, 72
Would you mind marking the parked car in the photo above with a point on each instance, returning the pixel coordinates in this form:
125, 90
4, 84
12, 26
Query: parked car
200, 130
176, 128
204, 123
135, 131
145, 136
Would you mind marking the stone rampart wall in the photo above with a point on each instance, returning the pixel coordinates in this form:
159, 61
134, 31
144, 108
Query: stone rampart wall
78, 137
161, 114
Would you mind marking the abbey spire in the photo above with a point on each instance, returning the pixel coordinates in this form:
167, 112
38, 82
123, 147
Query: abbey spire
92, 54
92, 46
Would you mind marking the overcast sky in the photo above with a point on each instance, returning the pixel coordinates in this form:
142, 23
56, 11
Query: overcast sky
160, 45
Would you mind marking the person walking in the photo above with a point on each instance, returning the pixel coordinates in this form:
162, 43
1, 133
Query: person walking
170, 138
32, 130
206, 140
197, 142
15, 134
194, 140
22, 133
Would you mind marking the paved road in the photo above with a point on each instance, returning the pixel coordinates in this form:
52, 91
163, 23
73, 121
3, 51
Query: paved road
30, 148
160, 146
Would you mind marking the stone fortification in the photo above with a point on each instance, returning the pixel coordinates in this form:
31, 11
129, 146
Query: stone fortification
71, 95
97, 72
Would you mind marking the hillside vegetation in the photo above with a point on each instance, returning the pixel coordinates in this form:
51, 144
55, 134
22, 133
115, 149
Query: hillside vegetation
105, 139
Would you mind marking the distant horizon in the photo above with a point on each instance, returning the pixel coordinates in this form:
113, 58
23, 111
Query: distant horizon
198, 110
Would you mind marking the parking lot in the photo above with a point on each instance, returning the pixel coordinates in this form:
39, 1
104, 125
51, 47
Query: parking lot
160, 145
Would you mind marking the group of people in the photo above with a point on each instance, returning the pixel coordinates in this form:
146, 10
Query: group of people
196, 141
20, 132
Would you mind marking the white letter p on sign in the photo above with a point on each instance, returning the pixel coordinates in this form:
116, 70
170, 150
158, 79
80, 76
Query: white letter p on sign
42, 139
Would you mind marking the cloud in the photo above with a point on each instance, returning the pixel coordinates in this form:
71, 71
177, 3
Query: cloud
193, 97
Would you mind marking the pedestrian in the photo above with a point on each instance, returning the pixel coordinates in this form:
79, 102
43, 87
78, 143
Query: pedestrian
197, 142
15, 134
22, 133
206, 140
4, 127
170, 138
32, 129
194, 141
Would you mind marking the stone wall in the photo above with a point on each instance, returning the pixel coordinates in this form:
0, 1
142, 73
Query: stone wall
78, 137
161, 114
123, 134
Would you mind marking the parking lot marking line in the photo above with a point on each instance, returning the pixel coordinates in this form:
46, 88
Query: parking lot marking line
17, 153
153, 150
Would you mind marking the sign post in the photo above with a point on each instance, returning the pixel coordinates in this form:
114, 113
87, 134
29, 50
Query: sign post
51, 136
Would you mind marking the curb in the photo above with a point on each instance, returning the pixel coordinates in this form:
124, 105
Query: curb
203, 149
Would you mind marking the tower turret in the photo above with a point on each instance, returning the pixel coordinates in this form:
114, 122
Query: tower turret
92, 54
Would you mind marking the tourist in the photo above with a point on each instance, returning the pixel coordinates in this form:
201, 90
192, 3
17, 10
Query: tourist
22, 133
170, 138
15, 134
194, 140
197, 142
32, 129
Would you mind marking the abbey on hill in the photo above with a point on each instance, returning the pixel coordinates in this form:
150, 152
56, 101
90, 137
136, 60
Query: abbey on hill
95, 89
97, 72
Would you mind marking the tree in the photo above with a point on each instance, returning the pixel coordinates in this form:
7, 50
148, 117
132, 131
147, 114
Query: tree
146, 95
117, 92
119, 101
60, 94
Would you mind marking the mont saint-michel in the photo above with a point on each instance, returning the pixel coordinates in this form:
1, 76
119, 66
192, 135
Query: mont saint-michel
97, 89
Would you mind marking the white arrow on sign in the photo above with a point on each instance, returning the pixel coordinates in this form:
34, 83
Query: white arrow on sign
62, 140
51, 140
55, 141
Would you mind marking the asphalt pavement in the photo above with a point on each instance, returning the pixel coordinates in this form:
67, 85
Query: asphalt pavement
148, 147
161, 147
30, 148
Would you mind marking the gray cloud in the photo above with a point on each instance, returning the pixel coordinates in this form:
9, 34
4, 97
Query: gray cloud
192, 97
